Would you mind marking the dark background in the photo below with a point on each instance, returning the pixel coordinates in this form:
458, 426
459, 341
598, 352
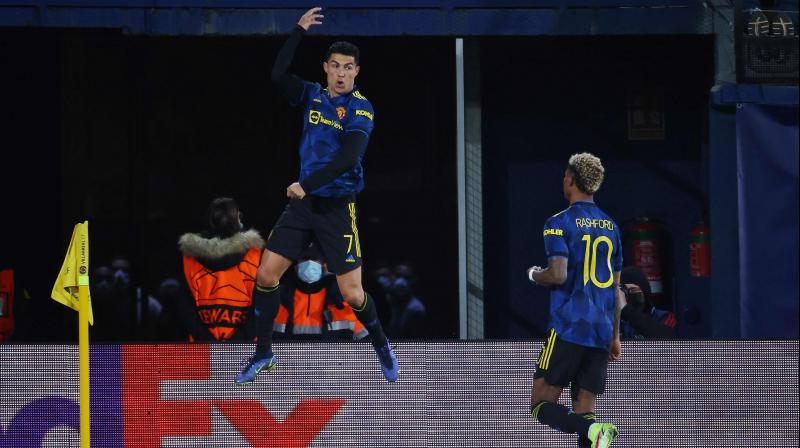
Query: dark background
138, 134
563, 95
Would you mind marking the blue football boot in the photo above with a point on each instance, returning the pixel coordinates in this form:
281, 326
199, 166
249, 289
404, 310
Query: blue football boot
389, 366
254, 365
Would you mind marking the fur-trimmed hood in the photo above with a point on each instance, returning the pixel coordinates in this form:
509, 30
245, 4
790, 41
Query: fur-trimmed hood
220, 253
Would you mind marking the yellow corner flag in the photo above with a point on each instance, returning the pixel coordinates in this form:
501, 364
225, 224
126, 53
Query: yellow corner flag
75, 271
72, 289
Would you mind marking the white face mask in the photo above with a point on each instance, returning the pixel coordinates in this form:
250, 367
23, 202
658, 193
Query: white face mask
309, 271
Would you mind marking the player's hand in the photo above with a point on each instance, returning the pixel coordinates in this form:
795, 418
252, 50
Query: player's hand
531, 270
295, 191
311, 17
621, 300
616, 350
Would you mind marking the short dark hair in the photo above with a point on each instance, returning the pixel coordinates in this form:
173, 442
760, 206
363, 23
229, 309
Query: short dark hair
345, 48
223, 217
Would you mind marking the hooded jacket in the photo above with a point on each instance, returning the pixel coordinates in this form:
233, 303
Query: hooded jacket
221, 274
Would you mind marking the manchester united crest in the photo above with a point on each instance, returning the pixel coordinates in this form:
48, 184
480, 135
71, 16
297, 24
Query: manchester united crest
340, 112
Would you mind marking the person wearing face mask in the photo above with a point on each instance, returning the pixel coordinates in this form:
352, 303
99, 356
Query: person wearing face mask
143, 310
408, 311
639, 318
112, 304
383, 277
379, 280
312, 306
121, 269
220, 266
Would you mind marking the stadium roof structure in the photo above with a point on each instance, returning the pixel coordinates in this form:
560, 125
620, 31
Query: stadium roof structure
459, 18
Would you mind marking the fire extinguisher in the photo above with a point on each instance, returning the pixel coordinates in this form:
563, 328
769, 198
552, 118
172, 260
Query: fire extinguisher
6, 304
647, 256
700, 251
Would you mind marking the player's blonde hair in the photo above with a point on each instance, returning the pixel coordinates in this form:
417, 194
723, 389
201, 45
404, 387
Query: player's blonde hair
587, 171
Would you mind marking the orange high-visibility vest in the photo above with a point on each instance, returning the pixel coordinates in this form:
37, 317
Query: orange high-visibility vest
308, 318
281, 319
6, 304
223, 298
345, 319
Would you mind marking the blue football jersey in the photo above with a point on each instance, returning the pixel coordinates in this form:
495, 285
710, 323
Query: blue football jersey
582, 309
326, 119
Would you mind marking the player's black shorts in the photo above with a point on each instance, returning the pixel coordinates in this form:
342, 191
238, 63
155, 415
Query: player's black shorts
329, 222
562, 363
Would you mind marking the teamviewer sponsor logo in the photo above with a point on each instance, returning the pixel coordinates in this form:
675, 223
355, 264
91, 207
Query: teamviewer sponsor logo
315, 117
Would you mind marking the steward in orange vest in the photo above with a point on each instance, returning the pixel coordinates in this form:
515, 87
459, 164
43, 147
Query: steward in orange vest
220, 266
312, 306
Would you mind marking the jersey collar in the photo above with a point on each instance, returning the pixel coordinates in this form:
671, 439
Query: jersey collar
326, 92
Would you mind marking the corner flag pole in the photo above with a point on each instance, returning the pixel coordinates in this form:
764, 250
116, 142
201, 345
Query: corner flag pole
72, 289
83, 357
84, 311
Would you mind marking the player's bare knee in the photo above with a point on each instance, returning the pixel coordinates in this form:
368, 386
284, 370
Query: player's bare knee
583, 402
351, 289
538, 398
353, 295
542, 391
266, 278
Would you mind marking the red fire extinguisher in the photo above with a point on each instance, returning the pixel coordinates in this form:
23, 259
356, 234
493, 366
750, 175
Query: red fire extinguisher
6, 304
646, 255
700, 251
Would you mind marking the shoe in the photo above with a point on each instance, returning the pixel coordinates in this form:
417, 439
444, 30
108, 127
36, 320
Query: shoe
389, 366
254, 365
602, 434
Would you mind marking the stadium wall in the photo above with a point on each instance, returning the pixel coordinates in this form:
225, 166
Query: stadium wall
567, 95
364, 18
734, 295
460, 394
